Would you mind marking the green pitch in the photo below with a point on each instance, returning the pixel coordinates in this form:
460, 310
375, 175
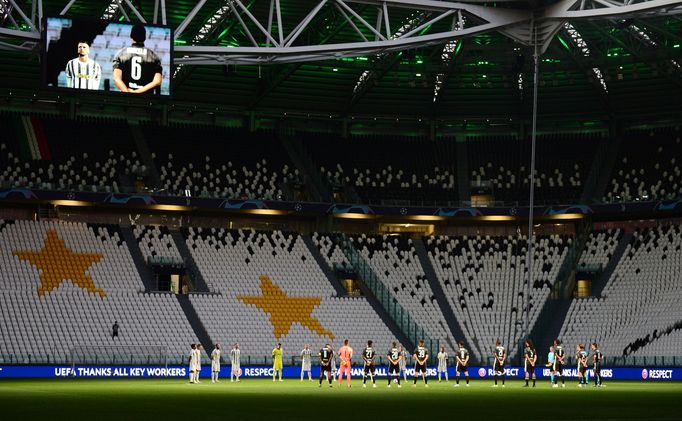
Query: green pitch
99, 400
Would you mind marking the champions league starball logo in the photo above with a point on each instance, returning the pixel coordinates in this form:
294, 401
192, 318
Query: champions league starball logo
481, 372
645, 374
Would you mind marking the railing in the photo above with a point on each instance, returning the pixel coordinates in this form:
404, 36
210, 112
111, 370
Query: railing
400, 316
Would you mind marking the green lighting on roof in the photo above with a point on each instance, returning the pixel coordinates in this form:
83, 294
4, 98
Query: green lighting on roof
420, 61
180, 42
564, 43
361, 58
676, 46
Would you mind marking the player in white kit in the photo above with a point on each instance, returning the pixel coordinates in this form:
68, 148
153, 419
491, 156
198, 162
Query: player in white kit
197, 368
306, 356
192, 363
235, 355
442, 364
215, 364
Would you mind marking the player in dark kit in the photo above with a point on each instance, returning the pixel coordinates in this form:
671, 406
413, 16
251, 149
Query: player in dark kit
368, 356
394, 358
421, 356
597, 358
326, 355
137, 69
529, 359
500, 355
582, 365
462, 363
559, 356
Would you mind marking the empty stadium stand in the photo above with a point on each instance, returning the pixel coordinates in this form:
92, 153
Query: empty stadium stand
640, 301
648, 167
484, 280
64, 284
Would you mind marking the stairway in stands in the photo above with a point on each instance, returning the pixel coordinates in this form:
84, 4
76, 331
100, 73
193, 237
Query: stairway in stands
146, 273
604, 277
329, 273
453, 324
195, 275
195, 322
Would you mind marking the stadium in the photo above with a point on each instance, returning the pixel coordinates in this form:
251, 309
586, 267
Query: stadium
336, 208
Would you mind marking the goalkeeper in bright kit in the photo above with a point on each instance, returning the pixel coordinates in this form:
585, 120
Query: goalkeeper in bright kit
277, 362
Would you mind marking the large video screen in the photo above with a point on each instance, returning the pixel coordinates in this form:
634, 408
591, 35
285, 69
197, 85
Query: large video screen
94, 55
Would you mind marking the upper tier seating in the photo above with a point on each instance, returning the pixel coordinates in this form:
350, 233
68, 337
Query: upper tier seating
383, 168
484, 279
642, 297
227, 163
55, 154
562, 166
648, 167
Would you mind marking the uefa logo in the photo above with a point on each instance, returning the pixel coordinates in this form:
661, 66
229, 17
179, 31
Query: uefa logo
645, 374
481, 372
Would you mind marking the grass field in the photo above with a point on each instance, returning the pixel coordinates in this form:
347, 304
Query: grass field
292, 399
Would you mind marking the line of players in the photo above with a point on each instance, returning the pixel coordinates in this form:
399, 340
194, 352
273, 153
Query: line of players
397, 358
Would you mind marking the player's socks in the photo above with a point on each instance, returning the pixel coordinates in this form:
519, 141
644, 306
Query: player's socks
526, 382
467, 380
533, 382
457, 380
415, 380
495, 379
364, 379
551, 377
426, 380
504, 376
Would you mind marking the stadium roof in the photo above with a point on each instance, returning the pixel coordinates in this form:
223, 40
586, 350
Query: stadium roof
590, 67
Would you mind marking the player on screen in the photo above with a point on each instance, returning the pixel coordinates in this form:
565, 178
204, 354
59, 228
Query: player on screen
395, 358
530, 357
597, 358
326, 355
500, 355
345, 358
443, 364
235, 369
277, 362
306, 355
462, 363
368, 356
137, 69
420, 356
559, 356
82, 72
215, 364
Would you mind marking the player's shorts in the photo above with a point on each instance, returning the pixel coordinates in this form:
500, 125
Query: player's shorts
530, 369
277, 365
582, 369
597, 367
326, 367
393, 369
369, 368
558, 367
462, 369
215, 366
420, 368
497, 367
442, 368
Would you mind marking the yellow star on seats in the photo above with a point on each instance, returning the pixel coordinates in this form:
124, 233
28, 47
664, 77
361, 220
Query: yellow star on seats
58, 263
284, 310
